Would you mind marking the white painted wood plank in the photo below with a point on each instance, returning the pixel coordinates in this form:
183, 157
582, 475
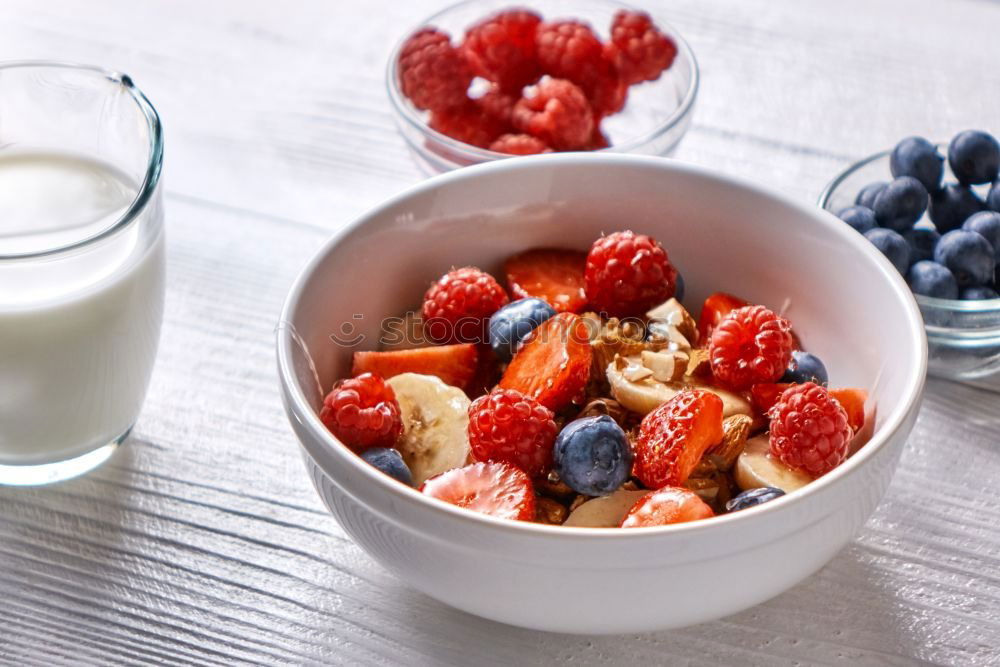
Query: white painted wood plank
278, 131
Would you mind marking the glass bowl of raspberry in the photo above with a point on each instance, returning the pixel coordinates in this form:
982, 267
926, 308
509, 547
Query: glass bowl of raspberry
439, 465
484, 80
962, 322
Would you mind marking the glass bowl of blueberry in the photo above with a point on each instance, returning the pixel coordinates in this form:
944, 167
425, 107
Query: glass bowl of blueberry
934, 212
488, 79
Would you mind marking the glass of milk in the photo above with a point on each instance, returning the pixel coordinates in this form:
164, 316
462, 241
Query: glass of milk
81, 265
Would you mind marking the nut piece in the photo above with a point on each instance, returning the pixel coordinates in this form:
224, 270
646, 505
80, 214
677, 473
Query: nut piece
699, 364
674, 314
618, 338
666, 366
735, 431
604, 406
550, 511
553, 487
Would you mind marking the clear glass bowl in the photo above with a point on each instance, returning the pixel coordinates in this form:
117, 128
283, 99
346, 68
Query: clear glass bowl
963, 337
655, 118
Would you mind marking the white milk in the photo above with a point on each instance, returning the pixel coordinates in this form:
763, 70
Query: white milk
79, 329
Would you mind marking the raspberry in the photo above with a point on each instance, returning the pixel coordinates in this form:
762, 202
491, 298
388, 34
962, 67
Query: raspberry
362, 412
570, 50
432, 73
673, 437
468, 124
519, 144
638, 49
558, 114
809, 430
496, 489
508, 426
598, 139
751, 345
714, 310
498, 104
667, 506
458, 306
502, 49
627, 274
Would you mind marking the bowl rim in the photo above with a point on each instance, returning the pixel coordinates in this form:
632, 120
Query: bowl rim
986, 306
404, 110
304, 413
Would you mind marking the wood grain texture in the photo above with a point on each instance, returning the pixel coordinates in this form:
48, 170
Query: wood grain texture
202, 542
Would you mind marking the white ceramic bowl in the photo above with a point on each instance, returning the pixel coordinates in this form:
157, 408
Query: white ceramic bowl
846, 301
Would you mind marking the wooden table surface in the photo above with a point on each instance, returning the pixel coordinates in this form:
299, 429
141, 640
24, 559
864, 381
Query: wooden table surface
203, 542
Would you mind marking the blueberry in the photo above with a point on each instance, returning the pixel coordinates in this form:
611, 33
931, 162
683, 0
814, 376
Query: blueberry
974, 157
592, 455
892, 245
510, 324
679, 288
993, 197
968, 255
390, 462
868, 194
952, 205
922, 242
986, 223
752, 498
977, 293
805, 367
931, 279
917, 157
901, 204
860, 218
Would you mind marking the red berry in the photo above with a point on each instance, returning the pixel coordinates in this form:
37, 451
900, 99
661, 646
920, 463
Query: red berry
853, 401
519, 144
362, 412
432, 73
458, 306
550, 274
498, 105
454, 364
496, 489
558, 114
568, 49
502, 49
751, 345
764, 396
507, 426
553, 363
809, 430
639, 50
605, 89
667, 506
673, 437
468, 124
714, 310
627, 274
598, 139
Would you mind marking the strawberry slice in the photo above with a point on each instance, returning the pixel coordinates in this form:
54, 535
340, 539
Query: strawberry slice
550, 274
764, 396
553, 362
669, 505
496, 489
715, 308
853, 402
673, 438
454, 364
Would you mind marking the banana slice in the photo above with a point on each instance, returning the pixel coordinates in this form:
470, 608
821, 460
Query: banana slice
606, 511
640, 392
435, 424
755, 468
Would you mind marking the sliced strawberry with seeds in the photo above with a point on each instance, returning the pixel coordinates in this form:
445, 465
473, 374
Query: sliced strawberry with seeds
764, 396
553, 362
666, 506
454, 364
496, 489
550, 274
714, 310
853, 401
673, 437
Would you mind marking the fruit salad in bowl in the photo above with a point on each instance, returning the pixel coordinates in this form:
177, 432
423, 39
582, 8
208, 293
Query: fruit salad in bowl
599, 393
596, 383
